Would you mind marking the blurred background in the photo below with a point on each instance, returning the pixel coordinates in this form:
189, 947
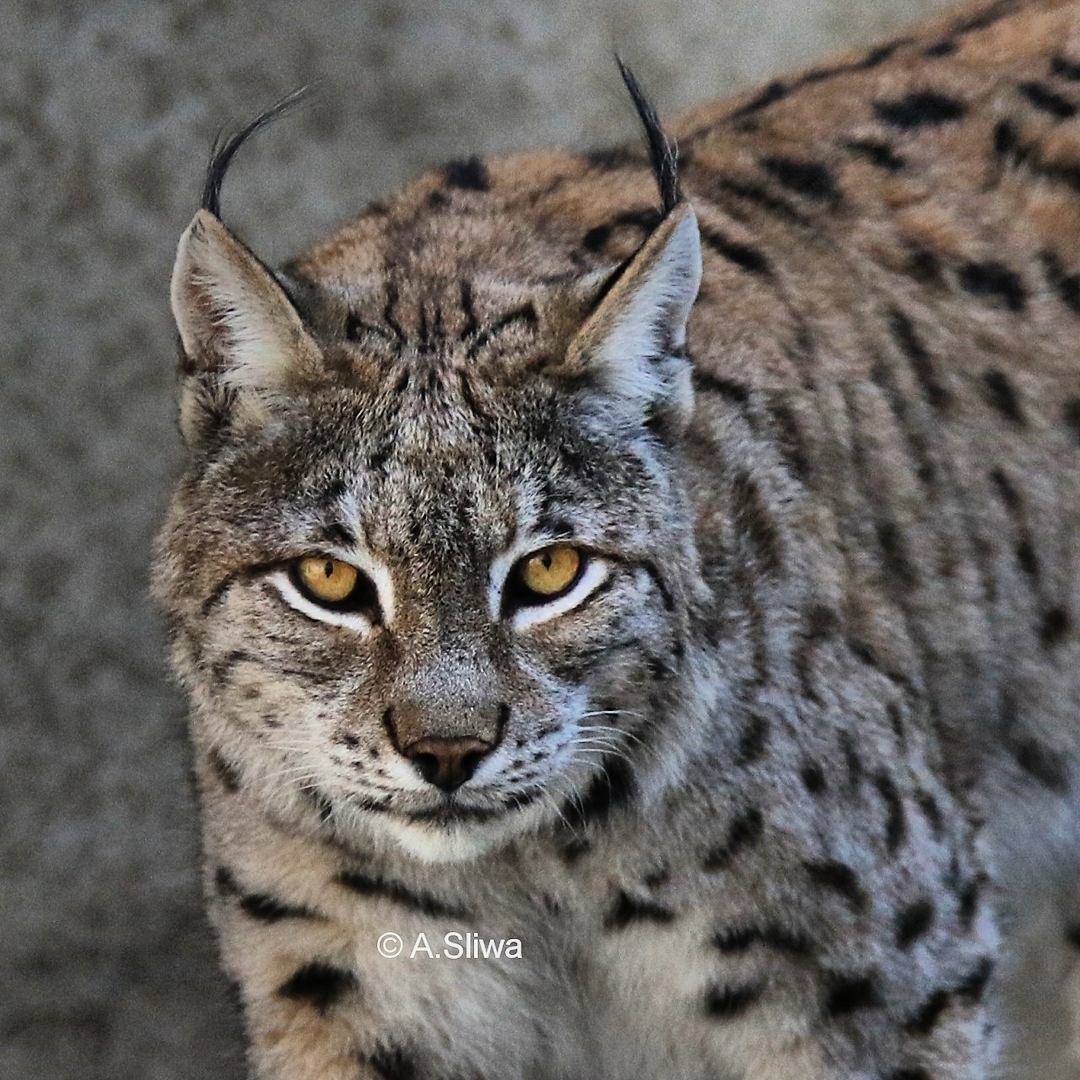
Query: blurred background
107, 111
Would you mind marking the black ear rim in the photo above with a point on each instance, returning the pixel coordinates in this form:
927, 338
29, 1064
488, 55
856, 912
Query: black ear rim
223, 152
662, 153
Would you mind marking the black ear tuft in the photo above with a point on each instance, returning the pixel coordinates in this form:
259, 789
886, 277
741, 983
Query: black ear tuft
661, 153
222, 153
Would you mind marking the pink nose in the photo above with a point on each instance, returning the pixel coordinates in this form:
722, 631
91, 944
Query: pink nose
447, 763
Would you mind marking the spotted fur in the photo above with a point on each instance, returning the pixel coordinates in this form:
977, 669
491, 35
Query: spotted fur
762, 796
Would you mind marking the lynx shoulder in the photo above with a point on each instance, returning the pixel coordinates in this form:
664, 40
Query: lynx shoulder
628, 600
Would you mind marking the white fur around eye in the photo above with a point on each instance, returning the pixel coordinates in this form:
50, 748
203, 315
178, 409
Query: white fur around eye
295, 599
596, 572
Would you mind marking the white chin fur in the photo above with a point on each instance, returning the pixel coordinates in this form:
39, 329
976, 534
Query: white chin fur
457, 843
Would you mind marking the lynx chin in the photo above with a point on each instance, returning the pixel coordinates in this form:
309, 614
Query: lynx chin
666, 560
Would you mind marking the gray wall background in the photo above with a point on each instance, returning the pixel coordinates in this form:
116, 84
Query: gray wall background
107, 110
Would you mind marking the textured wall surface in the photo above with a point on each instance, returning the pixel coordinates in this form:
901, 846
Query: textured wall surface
106, 113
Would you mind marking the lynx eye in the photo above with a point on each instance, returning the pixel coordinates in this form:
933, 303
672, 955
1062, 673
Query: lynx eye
547, 573
327, 581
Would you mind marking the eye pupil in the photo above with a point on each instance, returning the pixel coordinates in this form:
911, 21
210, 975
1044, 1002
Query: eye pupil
331, 582
547, 573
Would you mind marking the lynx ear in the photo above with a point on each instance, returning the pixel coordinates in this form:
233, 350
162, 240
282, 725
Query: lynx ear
243, 341
631, 345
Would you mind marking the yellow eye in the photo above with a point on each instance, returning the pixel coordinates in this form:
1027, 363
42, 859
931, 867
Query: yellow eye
327, 580
551, 570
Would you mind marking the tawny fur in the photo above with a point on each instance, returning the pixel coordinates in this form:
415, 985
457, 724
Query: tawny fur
769, 805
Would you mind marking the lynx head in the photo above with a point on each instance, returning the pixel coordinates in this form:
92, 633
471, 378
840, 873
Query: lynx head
430, 561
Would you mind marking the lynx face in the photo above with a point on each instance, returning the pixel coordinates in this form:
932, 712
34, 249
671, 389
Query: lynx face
424, 591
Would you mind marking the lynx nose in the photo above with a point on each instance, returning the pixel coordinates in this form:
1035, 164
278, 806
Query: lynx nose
447, 763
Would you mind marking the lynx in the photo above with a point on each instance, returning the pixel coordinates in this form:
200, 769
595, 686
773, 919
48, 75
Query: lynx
632, 633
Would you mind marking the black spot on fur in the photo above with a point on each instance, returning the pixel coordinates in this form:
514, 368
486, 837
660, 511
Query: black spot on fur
524, 315
841, 879
224, 882
393, 1063
268, 909
466, 301
628, 909
659, 668
895, 818
742, 255
967, 904
703, 381
1064, 68
611, 788
847, 994
373, 886
389, 307
851, 759
912, 922
1008, 494
723, 1002
1054, 627
751, 512
994, 281
879, 54
574, 849
1048, 101
792, 445
227, 773
335, 532
738, 939
1049, 767
813, 777
896, 722
918, 109
319, 985
1025, 556
753, 741
971, 989
760, 197
646, 220
945, 47
925, 267
872, 59
319, 802
894, 557
610, 159
877, 153
657, 579
1002, 395
745, 831
926, 1017
930, 811
357, 329
775, 91
655, 878
1056, 171
221, 669
1071, 415
470, 174
903, 332
986, 18
808, 178
1006, 138
1067, 286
